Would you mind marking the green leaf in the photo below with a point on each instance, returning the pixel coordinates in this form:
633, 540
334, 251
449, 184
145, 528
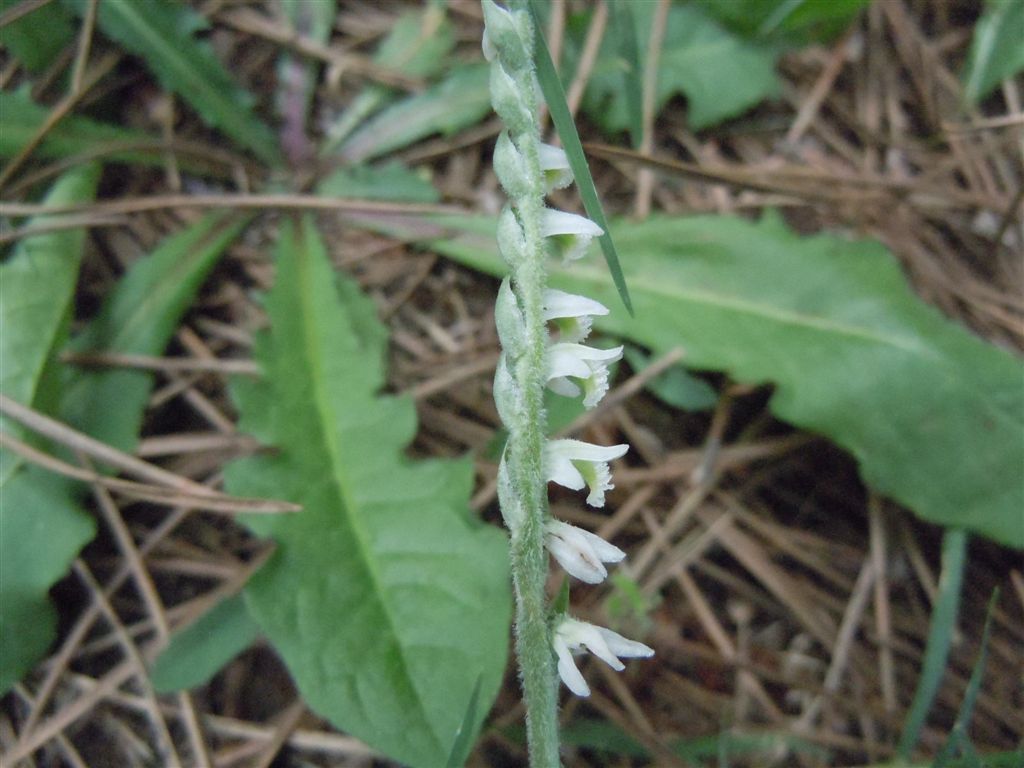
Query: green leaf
37, 285
797, 21
997, 49
418, 45
72, 135
37, 38
721, 75
632, 67
676, 386
551, 87
388, 181
461, 99
42, 527
163, 33
198, 652
933, 414
139, 317
384, 598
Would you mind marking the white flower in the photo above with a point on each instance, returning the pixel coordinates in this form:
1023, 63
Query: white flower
571, 314
575, 464
555, 166
581, 553
573, 635
587, 364
570, 232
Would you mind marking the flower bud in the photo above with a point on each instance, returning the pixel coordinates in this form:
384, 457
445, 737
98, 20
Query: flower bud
503, 40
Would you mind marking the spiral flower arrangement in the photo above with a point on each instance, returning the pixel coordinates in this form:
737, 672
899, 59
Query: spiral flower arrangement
534, 357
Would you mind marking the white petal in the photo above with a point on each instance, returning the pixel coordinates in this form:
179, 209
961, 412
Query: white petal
588, 364
572, 634
555, 166
595, 643
564, 387
573, 464
599, 483
573, 315
561, 470
623, 646
605, 550
581, 451
567, 669
580, 552
570, 233
564, 223
580, 562
567, 360
561, 304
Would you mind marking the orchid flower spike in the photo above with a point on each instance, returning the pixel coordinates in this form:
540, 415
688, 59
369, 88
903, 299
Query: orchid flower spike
570, 232
572, 315
573, 635
587, 364
574, 464
581, 553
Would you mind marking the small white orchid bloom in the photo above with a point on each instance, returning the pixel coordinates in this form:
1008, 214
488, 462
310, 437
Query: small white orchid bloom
581, 553
573, 635
571, 314
554, 164
578, 361
570, 232
574, 464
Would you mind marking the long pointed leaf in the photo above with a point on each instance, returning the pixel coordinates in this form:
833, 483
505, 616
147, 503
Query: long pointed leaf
139, 318
384, 599
997, 48
42, 527
162, 32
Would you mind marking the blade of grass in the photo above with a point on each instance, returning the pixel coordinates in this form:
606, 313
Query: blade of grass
958, 738
554, 95
940, 637
462, 743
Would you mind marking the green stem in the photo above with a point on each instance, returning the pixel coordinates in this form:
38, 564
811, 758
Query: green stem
526, 450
